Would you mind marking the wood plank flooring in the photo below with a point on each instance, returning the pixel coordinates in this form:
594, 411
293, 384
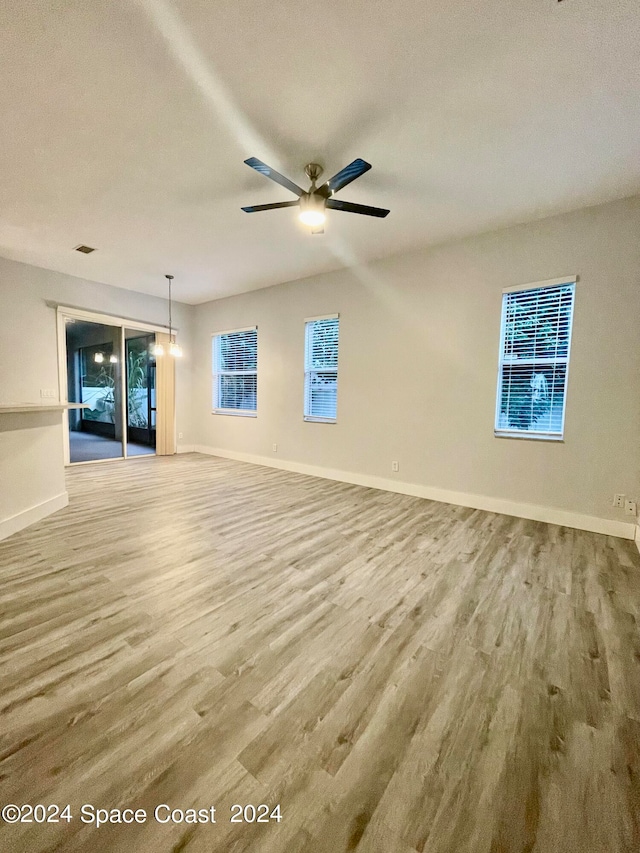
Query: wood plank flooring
401, 676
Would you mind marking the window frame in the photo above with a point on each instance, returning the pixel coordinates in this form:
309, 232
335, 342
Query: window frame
309, 371
535, 435
217, 373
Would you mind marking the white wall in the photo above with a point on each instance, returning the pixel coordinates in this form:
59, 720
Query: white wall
29, 363
419, 337
31, 469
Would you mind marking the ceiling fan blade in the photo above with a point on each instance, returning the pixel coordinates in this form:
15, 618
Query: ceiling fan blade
336, 204
343, 177
254, 208
268, 172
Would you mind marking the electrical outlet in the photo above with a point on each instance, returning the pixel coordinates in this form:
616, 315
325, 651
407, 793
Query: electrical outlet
48, 393
274, 447
631, 508
395, 467
180, 435
618, 500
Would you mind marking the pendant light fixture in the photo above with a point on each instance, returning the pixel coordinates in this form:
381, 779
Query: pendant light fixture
174, 349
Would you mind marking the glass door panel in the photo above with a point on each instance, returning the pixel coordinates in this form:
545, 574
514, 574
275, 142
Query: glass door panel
141, 392
94, 375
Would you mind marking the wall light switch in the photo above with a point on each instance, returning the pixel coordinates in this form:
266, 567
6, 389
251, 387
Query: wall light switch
274, 447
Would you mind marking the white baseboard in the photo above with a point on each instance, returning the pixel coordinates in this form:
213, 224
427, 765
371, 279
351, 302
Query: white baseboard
637, 536
14, 523
185, 448
550, 515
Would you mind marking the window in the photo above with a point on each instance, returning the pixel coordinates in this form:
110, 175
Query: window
534, 358
235, 373
321, 369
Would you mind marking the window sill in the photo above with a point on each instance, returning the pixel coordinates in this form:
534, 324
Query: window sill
235, 413
532, 436
312, 420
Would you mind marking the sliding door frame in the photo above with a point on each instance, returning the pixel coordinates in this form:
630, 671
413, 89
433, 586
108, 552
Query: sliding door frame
62, 313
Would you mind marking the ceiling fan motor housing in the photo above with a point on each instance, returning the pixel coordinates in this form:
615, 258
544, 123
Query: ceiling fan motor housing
312, 202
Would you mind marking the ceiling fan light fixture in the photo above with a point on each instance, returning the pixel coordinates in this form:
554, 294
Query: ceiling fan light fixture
312, 210
312, 217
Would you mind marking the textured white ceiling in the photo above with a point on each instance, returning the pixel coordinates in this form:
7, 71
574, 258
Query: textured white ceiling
125, 124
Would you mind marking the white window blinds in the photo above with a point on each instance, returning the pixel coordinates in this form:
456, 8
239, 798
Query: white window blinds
534, 359
321, 369
235, 372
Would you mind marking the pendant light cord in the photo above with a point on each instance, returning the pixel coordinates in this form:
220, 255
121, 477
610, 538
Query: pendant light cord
170, 277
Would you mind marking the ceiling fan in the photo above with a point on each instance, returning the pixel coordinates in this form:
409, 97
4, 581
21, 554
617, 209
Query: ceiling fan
316, 200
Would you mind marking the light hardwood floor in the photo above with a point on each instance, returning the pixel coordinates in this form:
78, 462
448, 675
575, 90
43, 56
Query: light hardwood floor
399, 675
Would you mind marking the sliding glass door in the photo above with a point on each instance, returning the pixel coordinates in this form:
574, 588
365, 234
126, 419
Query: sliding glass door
124, 377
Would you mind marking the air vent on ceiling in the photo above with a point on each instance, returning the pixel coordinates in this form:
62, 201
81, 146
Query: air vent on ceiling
86, 250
